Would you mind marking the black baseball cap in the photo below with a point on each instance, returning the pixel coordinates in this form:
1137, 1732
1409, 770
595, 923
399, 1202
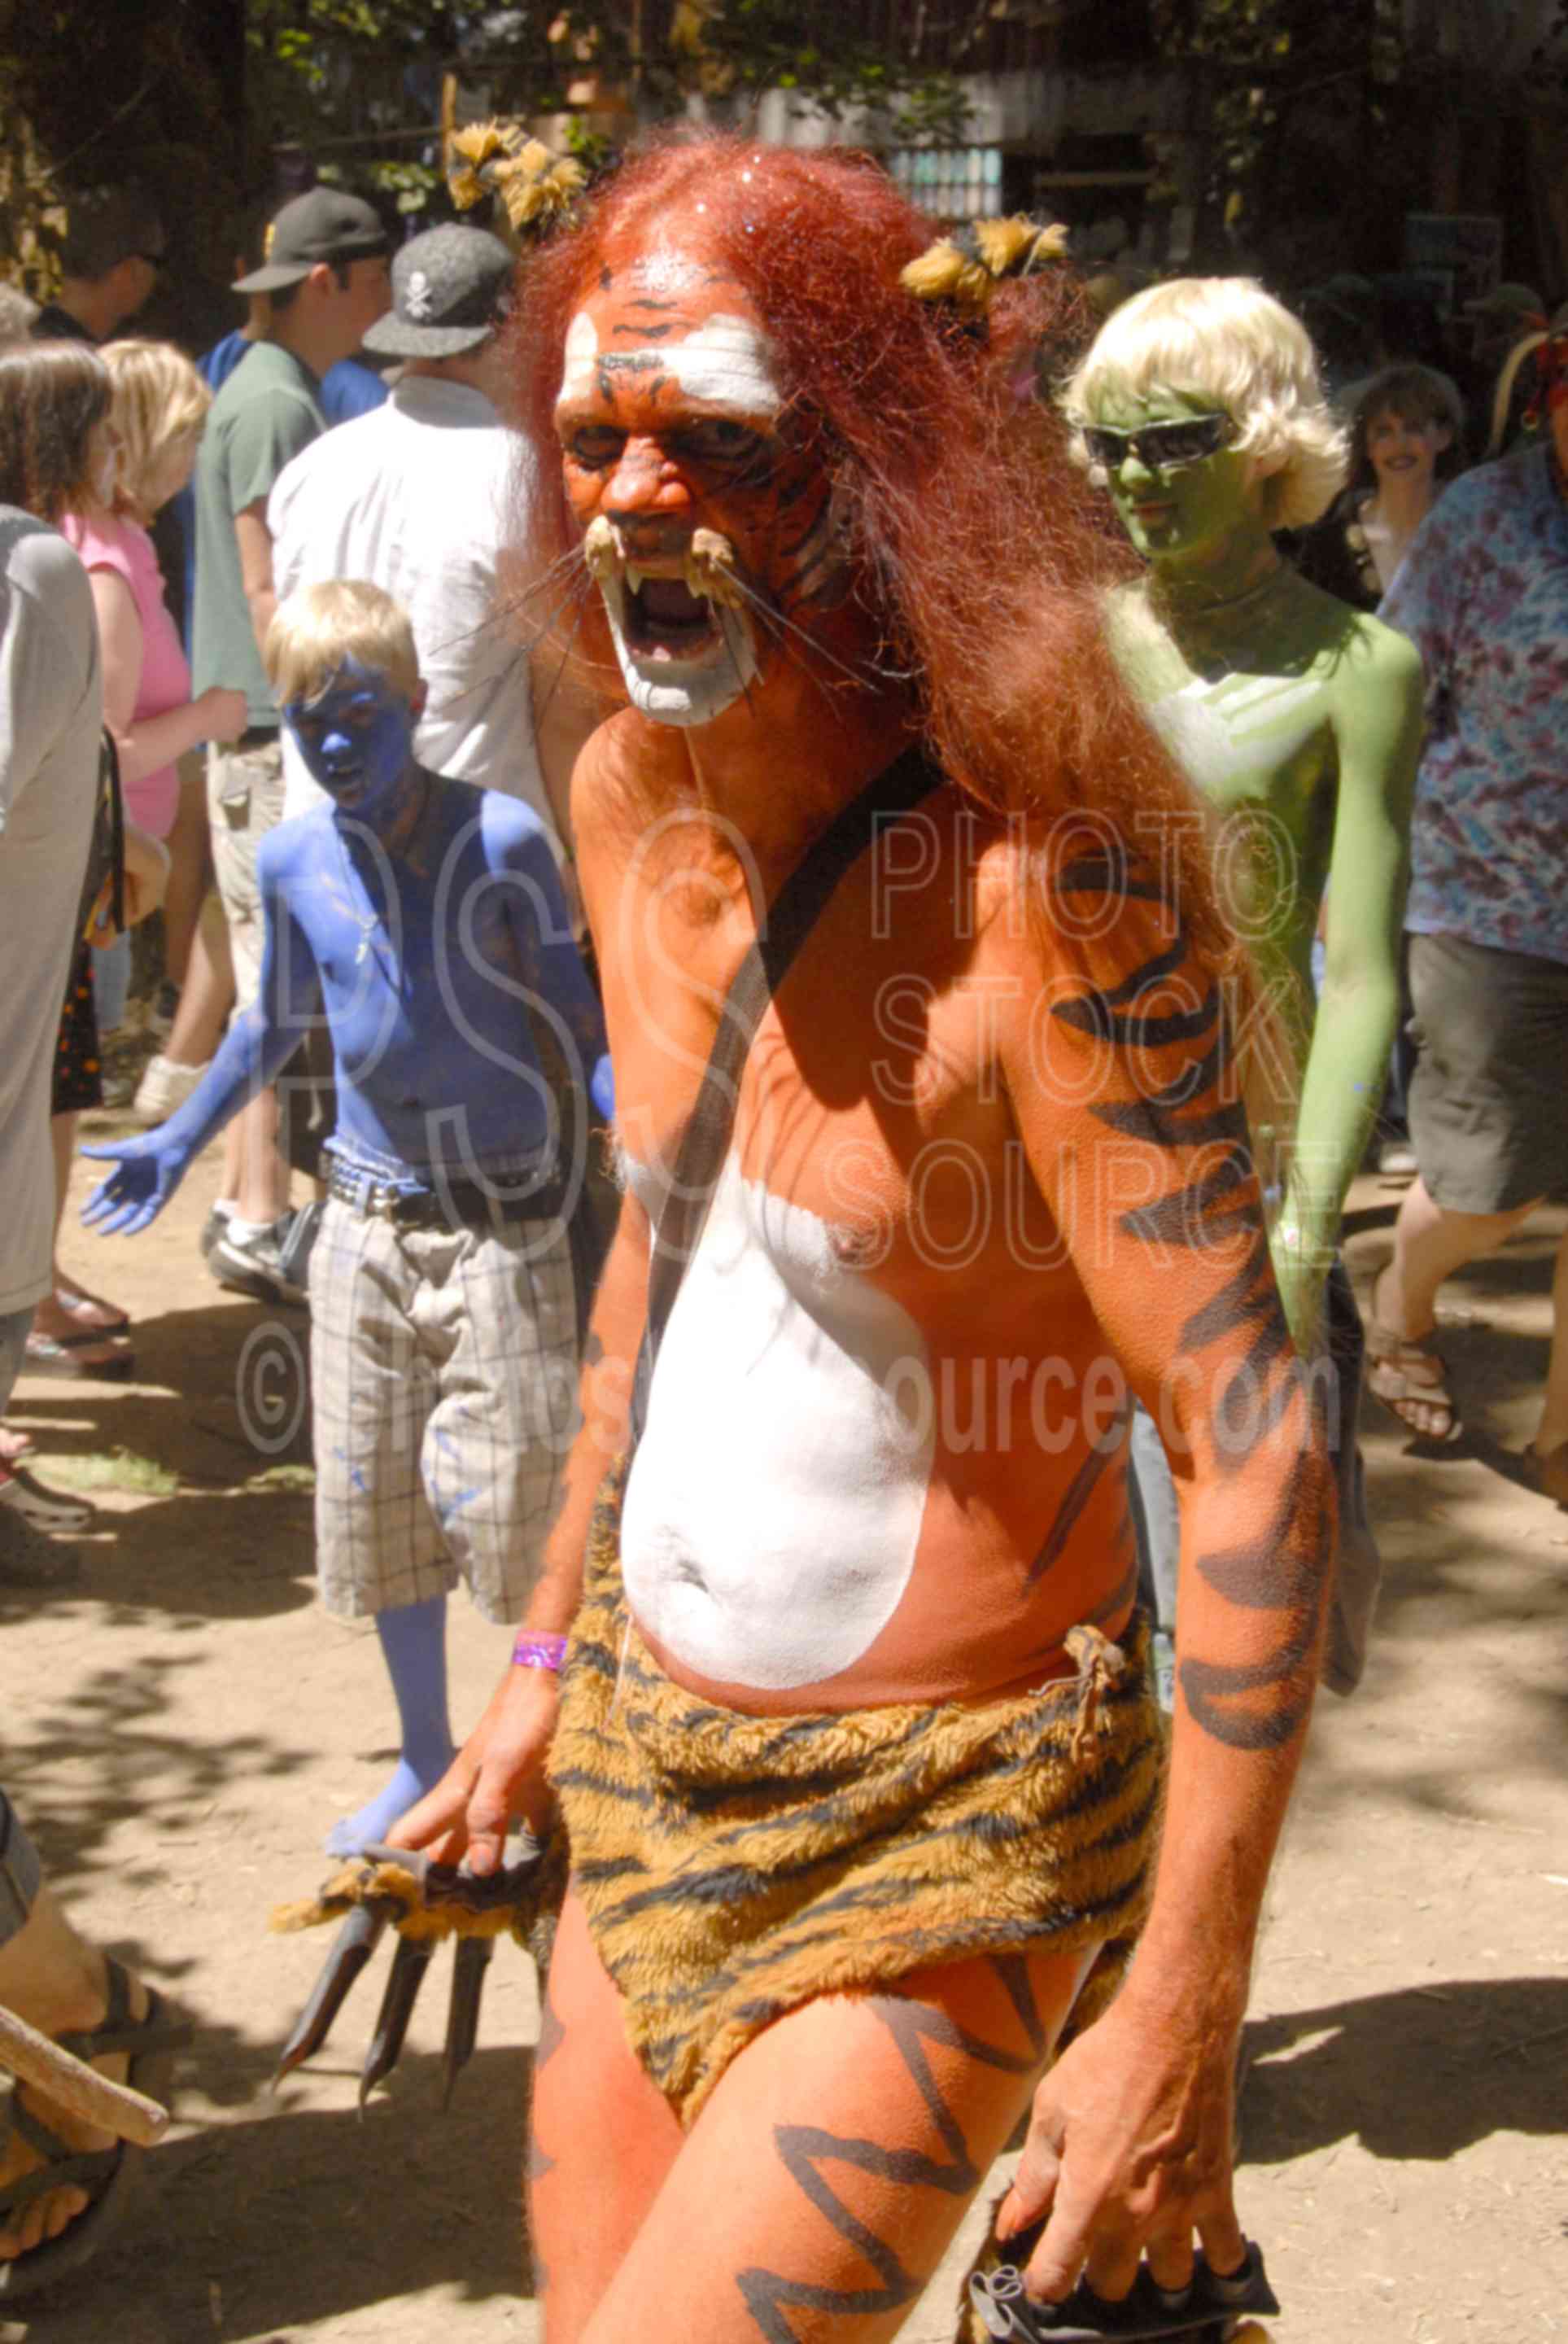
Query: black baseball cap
325, 224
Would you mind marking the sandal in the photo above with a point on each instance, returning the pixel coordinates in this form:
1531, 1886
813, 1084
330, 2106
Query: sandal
105, 2173
94, 1356
1389, 1354
36, 1502
89, 1312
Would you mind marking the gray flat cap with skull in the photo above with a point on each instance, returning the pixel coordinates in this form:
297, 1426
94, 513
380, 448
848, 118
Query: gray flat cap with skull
451, 288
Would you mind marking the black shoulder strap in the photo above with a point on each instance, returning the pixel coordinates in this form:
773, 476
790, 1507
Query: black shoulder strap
705, 1143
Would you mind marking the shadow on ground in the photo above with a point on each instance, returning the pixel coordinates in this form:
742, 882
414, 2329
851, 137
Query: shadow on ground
223, 1391
106, 1754
228, 2226
1490, 2054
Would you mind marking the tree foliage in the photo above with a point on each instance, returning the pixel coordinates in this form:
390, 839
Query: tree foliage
338, 70
1261, 58
91, 94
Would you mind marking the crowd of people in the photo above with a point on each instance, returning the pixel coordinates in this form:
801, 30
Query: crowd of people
974, 850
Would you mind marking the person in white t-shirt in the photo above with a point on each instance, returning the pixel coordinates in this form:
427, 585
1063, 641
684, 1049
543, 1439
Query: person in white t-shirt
428, 499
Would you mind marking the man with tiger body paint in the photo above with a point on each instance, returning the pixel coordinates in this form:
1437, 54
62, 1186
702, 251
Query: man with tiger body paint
854, 1742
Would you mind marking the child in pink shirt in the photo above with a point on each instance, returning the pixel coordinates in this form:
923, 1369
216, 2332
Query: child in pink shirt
160, 403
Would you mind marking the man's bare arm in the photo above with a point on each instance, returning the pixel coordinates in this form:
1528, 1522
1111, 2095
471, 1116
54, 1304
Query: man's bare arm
1129, 2147
255, 541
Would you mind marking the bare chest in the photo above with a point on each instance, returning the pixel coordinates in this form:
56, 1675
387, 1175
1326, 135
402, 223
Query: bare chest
871, 1103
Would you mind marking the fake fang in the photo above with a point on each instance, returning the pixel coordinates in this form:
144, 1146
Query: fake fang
686, 648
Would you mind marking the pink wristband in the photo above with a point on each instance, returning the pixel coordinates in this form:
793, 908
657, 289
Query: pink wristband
539, 1653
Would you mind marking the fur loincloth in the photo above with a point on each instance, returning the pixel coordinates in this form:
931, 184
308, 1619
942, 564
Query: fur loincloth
733, 1868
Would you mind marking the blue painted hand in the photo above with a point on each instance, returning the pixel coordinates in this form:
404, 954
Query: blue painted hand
147, 1172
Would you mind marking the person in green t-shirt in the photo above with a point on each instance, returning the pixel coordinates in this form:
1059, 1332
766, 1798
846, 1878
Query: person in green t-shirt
328, 278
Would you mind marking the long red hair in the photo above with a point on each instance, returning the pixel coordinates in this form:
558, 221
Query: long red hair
975, 538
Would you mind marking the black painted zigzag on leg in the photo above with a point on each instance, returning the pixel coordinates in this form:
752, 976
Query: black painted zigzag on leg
806, 2149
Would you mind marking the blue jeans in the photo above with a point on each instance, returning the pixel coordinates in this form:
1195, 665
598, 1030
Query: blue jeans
1358, 1565
112, 982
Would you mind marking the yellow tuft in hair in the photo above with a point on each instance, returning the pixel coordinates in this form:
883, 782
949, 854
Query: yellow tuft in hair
480, 141
942, 274
967, 267
1019, 246
534, 184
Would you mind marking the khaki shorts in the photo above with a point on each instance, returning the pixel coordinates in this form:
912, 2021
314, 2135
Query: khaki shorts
1489, 1097
244, 802
443, 1367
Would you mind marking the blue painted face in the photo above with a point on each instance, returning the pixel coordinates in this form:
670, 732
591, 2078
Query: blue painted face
357, 738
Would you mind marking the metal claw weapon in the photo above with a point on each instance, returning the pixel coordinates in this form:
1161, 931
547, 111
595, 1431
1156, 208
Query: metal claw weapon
422, 1902
1212, 2309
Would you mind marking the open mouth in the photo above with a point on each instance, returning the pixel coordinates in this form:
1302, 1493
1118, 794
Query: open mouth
663, 619
685, 647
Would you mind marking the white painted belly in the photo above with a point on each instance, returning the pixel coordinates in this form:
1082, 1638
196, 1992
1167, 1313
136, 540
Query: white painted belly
771, 1518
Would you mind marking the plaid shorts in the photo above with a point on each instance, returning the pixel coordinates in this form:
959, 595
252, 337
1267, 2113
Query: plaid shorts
444, 1375
244, 801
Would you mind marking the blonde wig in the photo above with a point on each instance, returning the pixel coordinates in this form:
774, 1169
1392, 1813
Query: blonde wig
159, 400
1224, 340
315, 630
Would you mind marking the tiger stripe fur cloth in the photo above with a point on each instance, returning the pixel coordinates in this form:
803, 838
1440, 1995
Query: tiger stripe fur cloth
732, 1867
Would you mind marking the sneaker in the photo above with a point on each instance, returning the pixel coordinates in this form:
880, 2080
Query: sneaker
212, 1229
255, 1265
28, 1558
165, 1086
1396, 1157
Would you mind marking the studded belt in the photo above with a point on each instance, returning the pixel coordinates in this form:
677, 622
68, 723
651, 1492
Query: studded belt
455, 1204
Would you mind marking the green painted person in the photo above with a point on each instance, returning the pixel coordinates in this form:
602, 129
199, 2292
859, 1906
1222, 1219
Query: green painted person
1298, 719
1201, 409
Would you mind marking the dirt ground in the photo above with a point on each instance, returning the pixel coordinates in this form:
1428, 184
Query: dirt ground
183, 1729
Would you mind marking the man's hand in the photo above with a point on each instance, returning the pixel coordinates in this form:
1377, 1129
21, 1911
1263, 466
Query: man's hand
1129, 2152
149, 1172
496, 1779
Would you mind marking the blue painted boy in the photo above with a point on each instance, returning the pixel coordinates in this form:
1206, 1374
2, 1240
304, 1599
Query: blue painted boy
425, 920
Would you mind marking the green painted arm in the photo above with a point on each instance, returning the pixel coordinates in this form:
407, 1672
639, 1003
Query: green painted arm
1377, 722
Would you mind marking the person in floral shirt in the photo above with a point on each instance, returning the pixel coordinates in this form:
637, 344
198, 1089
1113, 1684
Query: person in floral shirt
1484, 593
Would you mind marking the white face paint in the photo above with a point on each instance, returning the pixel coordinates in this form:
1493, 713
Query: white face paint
724, 367
581, 351
725, 362
771, 1518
